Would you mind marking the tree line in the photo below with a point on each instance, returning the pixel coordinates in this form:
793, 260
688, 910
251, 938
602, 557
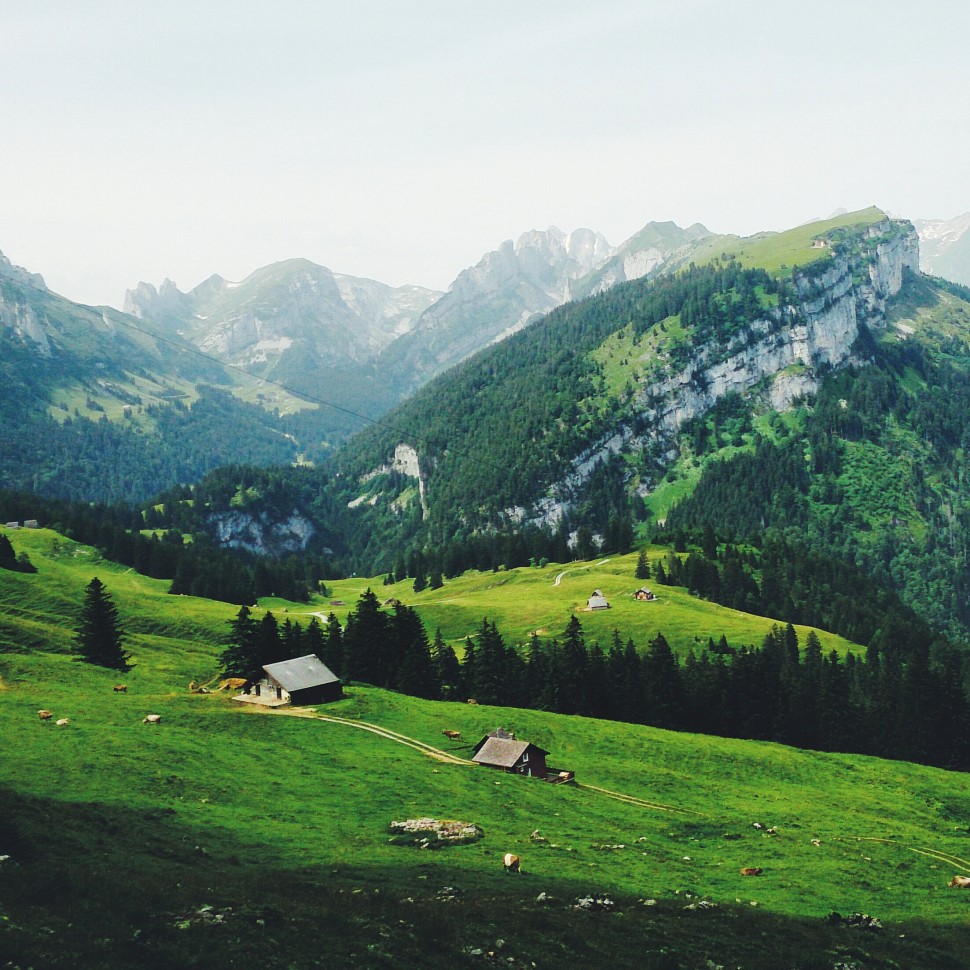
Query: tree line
892, 703
198, 567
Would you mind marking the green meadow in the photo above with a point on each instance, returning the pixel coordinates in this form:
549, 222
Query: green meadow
220, 835
523, 601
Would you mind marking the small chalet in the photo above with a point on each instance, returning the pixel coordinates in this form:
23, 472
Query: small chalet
507, 754
597, 601
304, 680
644, 594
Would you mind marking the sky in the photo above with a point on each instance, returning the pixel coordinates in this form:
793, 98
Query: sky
401, 141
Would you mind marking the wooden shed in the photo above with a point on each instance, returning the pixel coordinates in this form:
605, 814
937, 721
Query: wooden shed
304, 680
518, 757
597, 601
644, 594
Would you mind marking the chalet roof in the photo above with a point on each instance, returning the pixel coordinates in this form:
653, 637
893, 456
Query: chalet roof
300, 673
503, 753
597, 601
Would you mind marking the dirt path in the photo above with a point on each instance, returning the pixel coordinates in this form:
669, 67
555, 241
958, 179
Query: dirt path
450, 758
432, 752
641, 802
951, 860
559, 577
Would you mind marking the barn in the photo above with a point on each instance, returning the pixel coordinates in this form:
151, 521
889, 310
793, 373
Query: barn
597, 601
304, 680
507, 754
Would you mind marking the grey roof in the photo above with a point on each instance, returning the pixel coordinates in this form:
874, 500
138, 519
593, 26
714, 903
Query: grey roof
300, 673
597, 601
503, 753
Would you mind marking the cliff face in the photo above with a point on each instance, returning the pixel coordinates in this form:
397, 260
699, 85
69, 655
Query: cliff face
788, 349
780, 357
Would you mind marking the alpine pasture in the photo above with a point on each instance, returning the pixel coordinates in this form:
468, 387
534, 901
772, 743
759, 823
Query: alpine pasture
220, 834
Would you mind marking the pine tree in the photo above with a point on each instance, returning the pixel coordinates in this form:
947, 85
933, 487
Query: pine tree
98, 635
241, 656
643, 566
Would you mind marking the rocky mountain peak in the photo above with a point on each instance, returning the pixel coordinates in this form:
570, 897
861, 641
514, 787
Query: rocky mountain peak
20, 275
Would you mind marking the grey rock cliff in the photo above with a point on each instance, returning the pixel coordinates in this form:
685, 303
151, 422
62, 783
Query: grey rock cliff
781, 357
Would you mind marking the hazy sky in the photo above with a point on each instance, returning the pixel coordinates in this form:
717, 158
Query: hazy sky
402, 140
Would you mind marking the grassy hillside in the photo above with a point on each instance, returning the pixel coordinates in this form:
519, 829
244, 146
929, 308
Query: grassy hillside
522, 601
779, 252
120, 834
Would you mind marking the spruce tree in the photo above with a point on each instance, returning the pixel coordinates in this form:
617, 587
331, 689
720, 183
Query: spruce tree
98, 635
241, 656
643, 566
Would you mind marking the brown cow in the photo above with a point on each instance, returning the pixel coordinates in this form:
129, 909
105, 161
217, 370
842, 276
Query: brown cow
751, 871
961, 882
512, 863
471, 700
452, 735
45, 715
120, 688
152, 719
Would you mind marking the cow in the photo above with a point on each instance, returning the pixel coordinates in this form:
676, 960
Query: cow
961, 882
452, 735
232, 683
512, 863
152, 719
471, 700
60, 722
751, 871
120, 688
45, 715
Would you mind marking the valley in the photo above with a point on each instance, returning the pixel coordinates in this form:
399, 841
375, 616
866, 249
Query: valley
769, 433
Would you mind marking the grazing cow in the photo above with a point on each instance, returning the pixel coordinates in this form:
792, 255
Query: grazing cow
60, 722
751, 871
471, 700
45, 715
120, 688
961, 882
232, 683
452, 735
152, 719
512, 863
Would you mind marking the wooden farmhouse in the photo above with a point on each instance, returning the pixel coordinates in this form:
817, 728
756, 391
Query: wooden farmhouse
507, 754
597, 601
304, 680
644, 594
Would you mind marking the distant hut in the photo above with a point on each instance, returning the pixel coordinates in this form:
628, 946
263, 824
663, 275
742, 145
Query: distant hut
644, 594
304, 680
597, 601
516, 757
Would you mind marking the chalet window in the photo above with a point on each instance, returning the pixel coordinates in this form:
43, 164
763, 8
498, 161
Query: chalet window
525, 757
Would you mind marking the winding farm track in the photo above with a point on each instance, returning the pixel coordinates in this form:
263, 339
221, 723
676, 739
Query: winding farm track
449, 758
641, 802
559, 577
952, 860
432, 752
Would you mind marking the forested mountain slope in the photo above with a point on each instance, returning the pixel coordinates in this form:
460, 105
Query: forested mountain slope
586, 404
96, 405
819, 354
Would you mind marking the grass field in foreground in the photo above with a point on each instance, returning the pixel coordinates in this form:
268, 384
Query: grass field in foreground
120, 833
